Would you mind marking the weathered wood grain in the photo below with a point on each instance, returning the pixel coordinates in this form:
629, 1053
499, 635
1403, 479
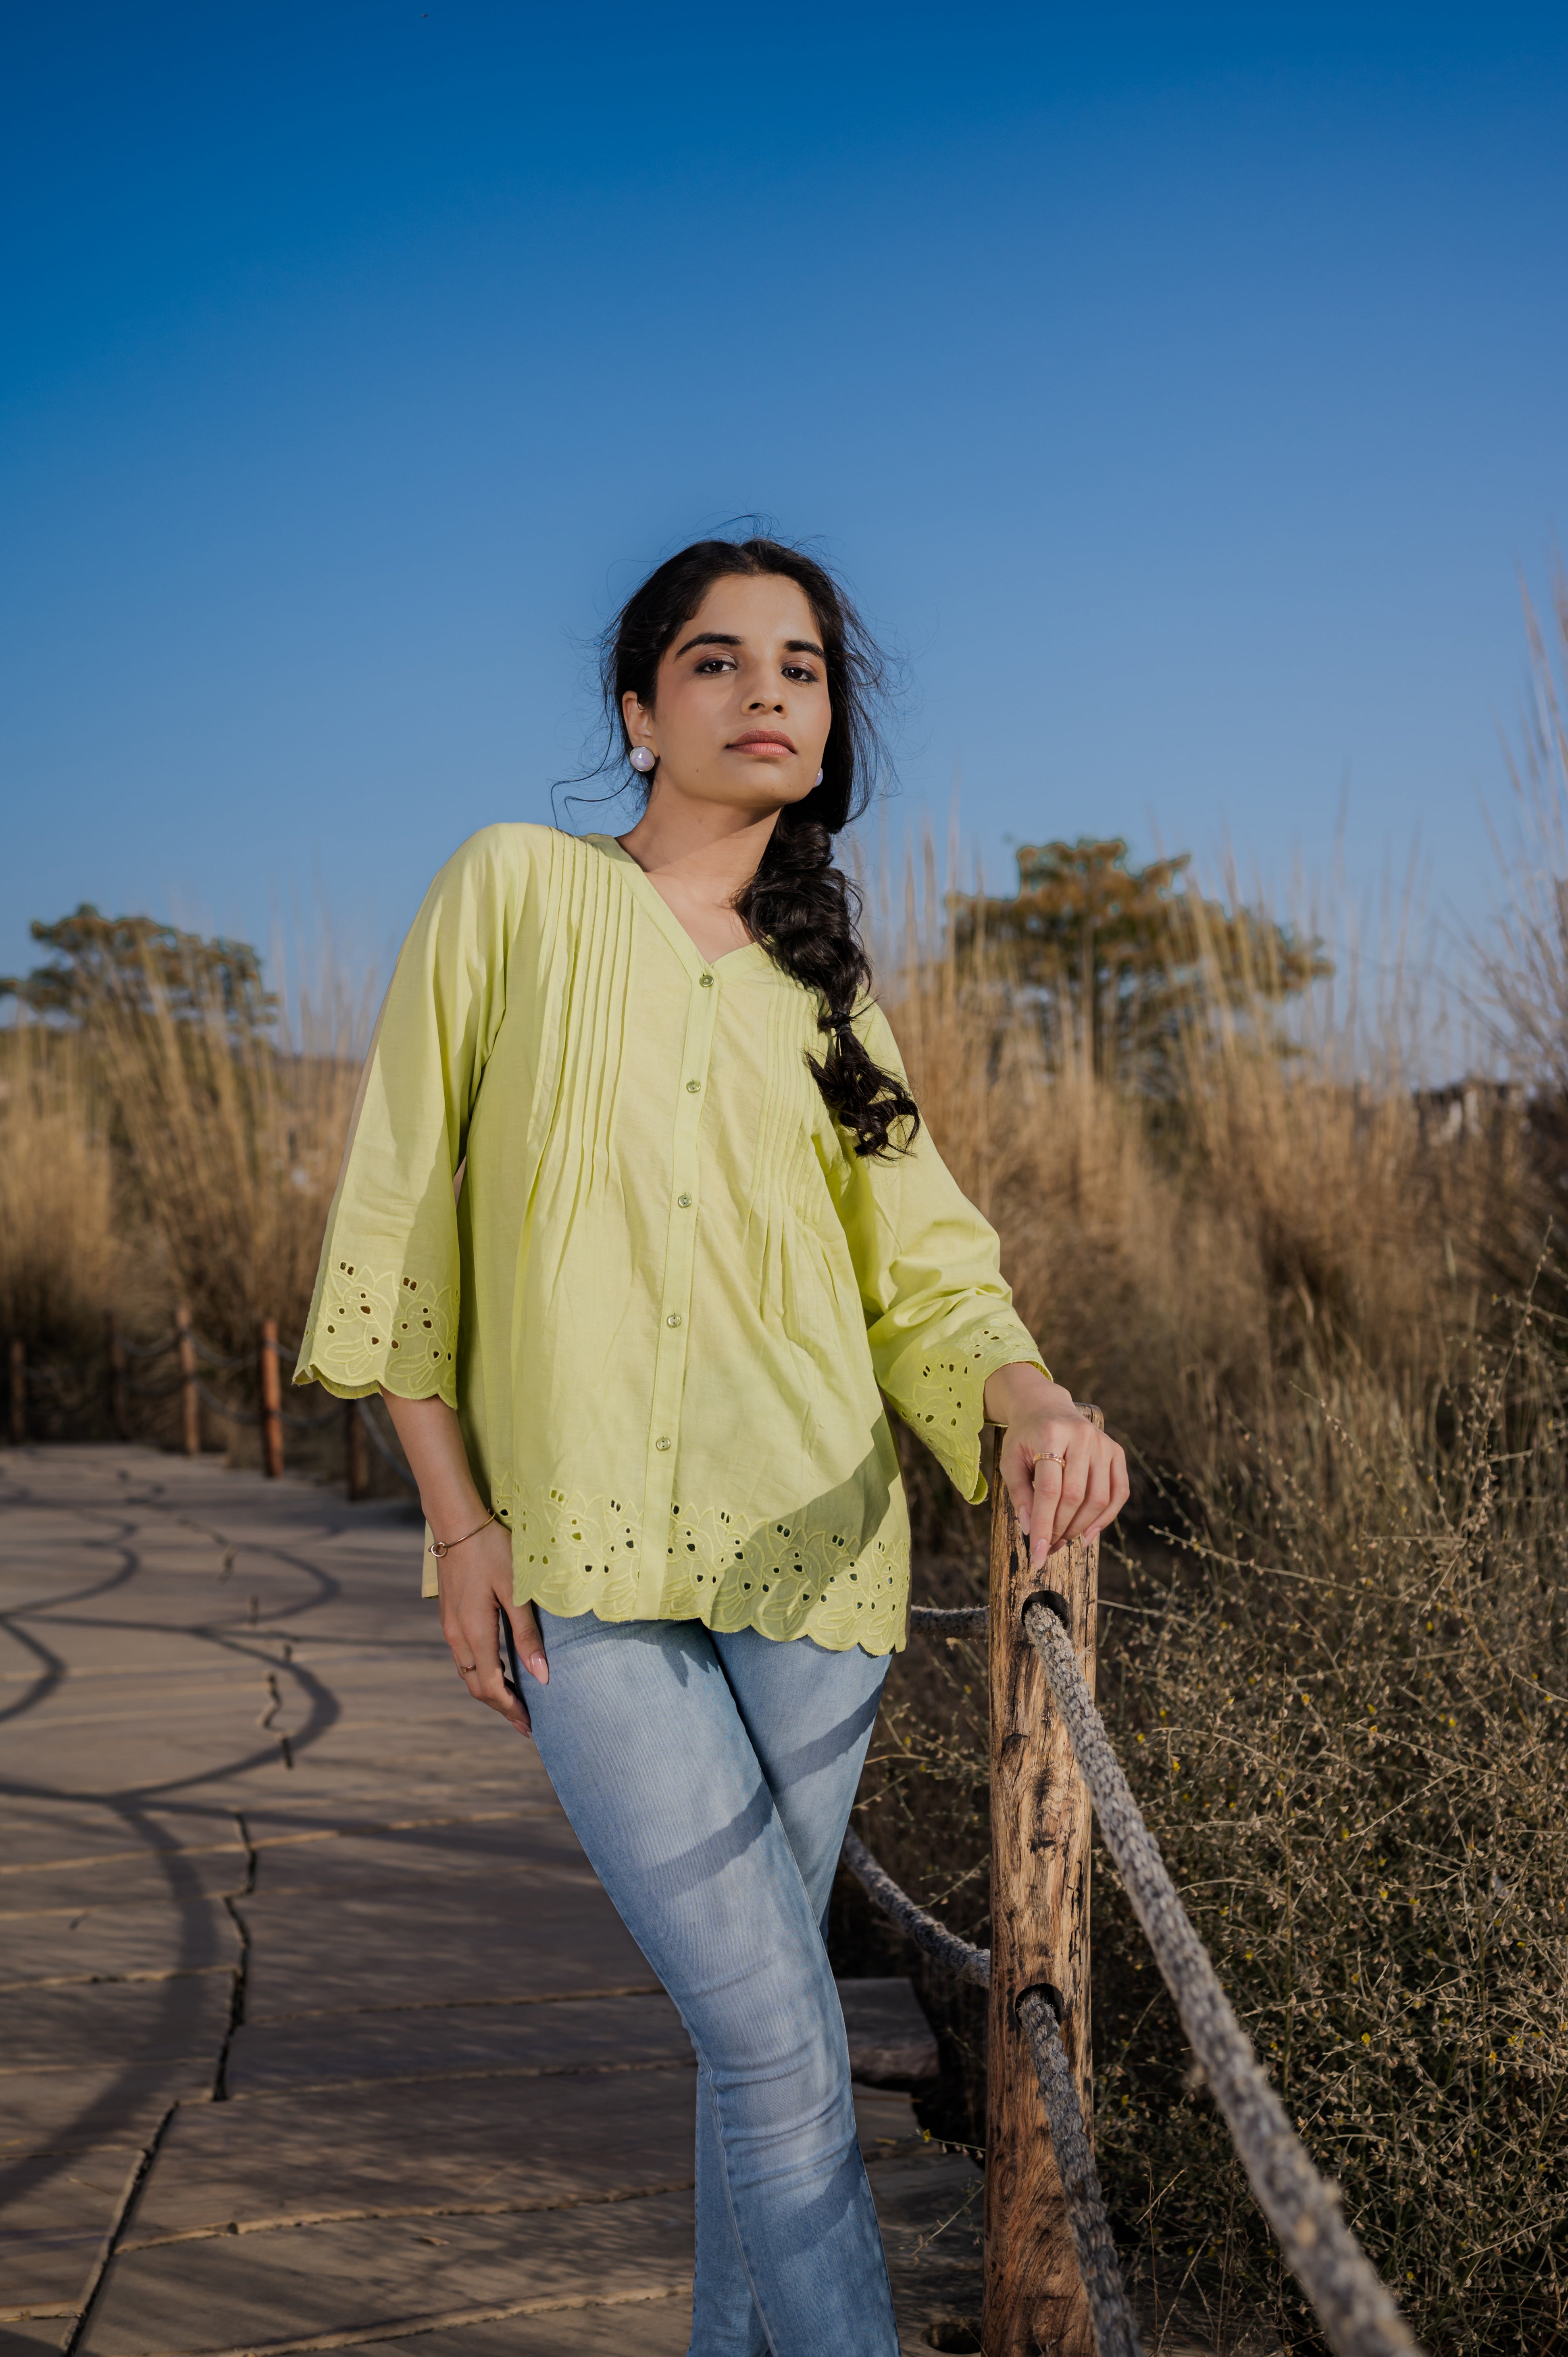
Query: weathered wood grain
1040, 1827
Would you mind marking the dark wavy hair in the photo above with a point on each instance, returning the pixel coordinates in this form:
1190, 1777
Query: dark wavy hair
803, 910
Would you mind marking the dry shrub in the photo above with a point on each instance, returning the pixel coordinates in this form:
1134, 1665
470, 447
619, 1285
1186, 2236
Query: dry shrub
1344, 1722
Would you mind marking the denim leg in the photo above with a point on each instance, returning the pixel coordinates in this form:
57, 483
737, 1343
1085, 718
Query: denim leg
809, 1715
664, 1744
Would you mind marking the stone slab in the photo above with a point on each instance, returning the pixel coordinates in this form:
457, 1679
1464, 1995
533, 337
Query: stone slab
492, 2145
383, 1948
71, 2110
19, 2338
143, 1940
653, 2328
889, 2037
456, 2042
153, 2021
55, 2210
244, 2291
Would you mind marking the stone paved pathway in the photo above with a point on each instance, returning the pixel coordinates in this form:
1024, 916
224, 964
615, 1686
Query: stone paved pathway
317, 2030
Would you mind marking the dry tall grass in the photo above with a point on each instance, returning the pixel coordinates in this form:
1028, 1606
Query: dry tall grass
159, 1156
60, 1263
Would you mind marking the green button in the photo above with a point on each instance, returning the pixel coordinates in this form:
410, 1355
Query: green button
684, 1201
693, 1087
707, 981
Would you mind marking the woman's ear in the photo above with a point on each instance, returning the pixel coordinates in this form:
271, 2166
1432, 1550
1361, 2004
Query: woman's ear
638, 719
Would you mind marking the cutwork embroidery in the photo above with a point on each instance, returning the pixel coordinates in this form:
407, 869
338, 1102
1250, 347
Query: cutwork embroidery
372, 1328
786, 1578
947, 1396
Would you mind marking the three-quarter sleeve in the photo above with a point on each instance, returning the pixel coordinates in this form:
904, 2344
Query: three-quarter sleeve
938, 1315
387, 1298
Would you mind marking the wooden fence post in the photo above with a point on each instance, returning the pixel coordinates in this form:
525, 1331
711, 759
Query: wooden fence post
18, 1393
1040, 1820
115, 1385
189, 1405
272, 1401
356, 1450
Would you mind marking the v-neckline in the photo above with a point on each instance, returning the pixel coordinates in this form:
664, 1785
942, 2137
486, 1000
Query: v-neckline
664, 916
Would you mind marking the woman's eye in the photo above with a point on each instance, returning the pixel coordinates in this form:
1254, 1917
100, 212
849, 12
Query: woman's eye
802, 671
713, 662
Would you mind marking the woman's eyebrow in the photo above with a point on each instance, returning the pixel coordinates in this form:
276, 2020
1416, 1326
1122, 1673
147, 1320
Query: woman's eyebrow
708, 639
729, 638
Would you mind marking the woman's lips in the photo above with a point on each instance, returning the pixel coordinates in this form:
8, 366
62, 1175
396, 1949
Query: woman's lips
760, 741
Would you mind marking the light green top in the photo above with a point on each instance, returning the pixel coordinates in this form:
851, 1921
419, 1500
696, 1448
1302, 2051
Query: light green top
668, 1289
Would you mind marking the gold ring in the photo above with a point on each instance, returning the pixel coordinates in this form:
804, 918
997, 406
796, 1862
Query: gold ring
1049, 1460
467, 1669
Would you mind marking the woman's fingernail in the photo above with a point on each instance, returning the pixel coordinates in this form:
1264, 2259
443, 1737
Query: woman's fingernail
538, 1667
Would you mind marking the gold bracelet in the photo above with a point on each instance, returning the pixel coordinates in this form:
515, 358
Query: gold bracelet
445, 1546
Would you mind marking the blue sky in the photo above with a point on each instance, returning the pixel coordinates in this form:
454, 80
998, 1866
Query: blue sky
1182, 390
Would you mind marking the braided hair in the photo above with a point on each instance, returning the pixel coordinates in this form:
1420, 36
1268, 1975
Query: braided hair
800, 907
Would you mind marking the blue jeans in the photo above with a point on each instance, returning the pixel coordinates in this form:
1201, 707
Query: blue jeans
709, 1779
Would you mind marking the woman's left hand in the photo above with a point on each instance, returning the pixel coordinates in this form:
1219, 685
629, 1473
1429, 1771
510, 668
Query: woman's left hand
1067, 1478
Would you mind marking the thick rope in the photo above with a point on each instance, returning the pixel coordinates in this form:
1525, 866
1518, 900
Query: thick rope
1111, 2318
230, 1416
212, 1358
970, 1964
944, 1621
1356, 2312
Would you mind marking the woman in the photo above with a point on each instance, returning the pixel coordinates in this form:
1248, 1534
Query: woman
639, 1365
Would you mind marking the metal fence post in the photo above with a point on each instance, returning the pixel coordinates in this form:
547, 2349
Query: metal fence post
272, 1401
1040, 1819
189, 1405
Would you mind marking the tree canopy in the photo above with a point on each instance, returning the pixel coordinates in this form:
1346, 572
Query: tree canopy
135, 965
1126, 959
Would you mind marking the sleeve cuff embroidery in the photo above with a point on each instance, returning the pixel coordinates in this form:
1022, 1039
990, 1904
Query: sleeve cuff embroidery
944, 1385
372, 1327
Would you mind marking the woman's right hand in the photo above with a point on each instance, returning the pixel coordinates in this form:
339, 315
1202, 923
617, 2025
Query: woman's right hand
474, 1578
475, 1588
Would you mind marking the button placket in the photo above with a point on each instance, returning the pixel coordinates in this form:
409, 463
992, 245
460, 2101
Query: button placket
675, 1301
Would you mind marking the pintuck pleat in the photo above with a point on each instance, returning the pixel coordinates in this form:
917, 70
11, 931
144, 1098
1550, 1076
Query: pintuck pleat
675, 1300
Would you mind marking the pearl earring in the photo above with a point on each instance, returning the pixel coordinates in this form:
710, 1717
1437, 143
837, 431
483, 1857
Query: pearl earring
820, 776
641, 758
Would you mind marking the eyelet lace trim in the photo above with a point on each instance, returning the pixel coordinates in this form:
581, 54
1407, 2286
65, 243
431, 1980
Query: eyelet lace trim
373, 1327
786, 1579
945, 1394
